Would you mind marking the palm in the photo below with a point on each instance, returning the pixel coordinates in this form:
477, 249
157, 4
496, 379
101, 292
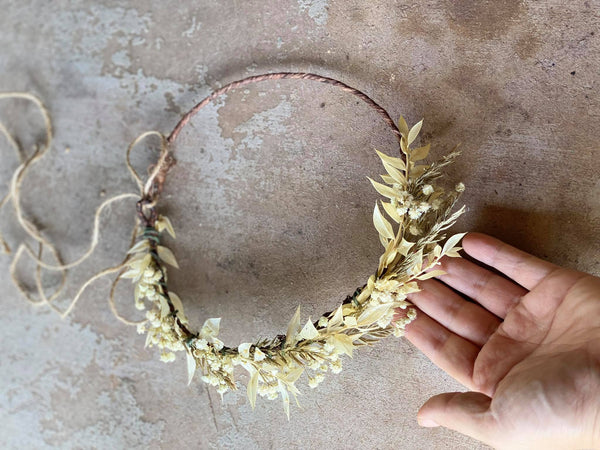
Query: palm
519, 342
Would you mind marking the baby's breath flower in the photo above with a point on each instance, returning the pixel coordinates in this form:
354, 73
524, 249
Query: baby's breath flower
382, 296
428, 189
217, 344
167, 357
403, 305
401, 210
314, 365
460, 187
415, 213
424, 207
201, 344
244, 350
336, 366
386, 319
414, 229
258, 354
398, 332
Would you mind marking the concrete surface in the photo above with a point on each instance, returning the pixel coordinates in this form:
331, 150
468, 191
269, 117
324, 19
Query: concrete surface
270, 198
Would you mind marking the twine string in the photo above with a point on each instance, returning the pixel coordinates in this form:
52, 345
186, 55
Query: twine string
13, 197
146, 199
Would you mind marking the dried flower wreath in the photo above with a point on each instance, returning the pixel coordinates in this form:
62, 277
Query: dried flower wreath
420, 211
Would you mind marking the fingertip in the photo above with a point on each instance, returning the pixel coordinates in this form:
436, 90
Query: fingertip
474, 242
423, 420
465, 412
427, 423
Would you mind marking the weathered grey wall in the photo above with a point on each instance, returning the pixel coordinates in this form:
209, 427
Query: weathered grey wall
270, 196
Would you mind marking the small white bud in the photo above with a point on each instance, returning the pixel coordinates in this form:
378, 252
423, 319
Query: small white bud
428, 189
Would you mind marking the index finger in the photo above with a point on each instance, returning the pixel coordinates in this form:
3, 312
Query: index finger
525, 269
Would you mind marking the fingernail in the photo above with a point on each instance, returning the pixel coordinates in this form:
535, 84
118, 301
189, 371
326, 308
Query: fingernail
428, 423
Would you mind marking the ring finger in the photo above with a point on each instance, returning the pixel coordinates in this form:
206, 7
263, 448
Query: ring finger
464, 318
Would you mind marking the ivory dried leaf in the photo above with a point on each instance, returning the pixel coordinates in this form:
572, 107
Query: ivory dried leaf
398, 163
404, 148
337, 318
252, 388
417, 171
140, 262
178, 306
165, 309
381, 224
293, 328
364, 294
392, 255
389, 248
453, 252
418, 262
293, 375
387, 179
403, 126
383, 241
211, 327
405, 247
167, 256
431, 274
392, 212
191, 365
133, 274
284, 397
348, 308
350, 321
384, 190
420, 153
168, 226
414, 132
309, 331
373, 314
396, 175
141, 245
451, 242
343, 343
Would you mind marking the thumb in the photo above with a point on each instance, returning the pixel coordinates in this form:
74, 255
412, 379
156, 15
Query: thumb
466, 412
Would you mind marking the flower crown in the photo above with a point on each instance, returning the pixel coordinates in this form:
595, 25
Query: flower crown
419, 212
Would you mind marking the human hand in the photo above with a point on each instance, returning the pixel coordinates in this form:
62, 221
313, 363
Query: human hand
527, 349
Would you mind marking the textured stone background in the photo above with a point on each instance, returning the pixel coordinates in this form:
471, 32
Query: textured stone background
270, 197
